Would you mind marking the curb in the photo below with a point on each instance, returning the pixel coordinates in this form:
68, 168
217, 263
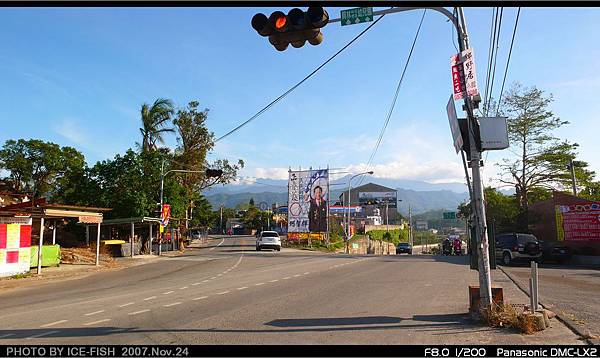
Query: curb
565, 320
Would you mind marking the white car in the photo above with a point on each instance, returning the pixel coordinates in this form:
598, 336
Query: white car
268, 240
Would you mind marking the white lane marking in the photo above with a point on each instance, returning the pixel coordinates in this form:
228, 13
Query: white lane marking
220, 274
258, 284
205, 280
212, 278
138, 312
6, 335
199, 298
93, 313
42, 334
168, 292
196, 283
173, 304
306, 273
127, 304
96, 322
273, 280
53, 323
287, 278
222, 293
149, 298
297, 275
183, 288
242, 288
219, 244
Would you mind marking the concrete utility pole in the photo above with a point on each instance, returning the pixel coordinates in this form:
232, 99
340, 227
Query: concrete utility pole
221, 222
387, 223
485, 284
348, 201
410, 235
574, 183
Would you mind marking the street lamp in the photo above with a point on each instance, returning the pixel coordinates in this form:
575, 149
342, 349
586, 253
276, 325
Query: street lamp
348, 202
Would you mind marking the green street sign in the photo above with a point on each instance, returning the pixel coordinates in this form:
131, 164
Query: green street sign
356, 16
449, 215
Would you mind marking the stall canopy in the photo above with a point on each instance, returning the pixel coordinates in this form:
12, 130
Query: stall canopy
39, 208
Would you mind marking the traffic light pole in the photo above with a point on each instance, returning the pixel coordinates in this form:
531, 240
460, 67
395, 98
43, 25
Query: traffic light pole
477, 199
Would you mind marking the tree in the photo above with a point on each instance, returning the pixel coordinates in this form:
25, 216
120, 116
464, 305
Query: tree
539, 158
154, 121
251, 202
40, 167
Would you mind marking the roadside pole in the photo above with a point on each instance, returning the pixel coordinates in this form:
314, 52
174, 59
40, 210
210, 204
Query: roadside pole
573, 182
485, 289
410, 235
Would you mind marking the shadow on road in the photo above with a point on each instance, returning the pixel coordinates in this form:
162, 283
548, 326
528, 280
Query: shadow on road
341, 321
442, 323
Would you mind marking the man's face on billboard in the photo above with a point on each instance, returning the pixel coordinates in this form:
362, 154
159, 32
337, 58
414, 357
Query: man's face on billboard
317, 193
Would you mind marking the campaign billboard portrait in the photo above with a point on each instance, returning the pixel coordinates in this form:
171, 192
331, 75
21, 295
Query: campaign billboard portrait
308, 194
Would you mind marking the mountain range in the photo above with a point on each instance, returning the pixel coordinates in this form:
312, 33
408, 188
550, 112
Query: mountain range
421, 196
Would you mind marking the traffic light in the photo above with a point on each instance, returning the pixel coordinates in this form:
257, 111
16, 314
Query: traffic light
295, 28
213, 173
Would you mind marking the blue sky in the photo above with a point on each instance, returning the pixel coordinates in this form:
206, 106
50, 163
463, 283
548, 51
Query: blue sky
78, 76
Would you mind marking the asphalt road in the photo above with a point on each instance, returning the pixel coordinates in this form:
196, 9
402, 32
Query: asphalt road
227, 293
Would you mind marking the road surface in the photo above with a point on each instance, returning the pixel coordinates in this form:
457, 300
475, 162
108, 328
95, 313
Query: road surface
227, 293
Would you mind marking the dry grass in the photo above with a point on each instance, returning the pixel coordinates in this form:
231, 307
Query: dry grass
508, 316
85, 255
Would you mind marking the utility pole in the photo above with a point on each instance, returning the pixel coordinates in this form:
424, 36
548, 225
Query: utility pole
485, 284
410, 235
387, 223
221, 222
574, 183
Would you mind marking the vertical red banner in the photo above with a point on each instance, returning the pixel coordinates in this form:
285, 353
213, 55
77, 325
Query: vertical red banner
25, 238
2, 236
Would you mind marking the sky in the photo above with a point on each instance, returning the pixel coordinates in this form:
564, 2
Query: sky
78, 77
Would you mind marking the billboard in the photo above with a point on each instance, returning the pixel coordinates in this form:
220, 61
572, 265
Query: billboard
377, 198
580, 222
15, 245
308, 201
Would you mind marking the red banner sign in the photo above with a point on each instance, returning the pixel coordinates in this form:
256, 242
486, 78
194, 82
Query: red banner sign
579, 222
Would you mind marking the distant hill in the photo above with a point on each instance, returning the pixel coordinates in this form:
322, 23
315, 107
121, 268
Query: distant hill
420, 201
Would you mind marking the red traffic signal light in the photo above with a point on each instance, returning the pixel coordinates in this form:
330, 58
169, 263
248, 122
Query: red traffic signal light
295, 28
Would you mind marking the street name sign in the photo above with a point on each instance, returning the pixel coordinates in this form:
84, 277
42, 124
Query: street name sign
454, 126
356, 16
449, 215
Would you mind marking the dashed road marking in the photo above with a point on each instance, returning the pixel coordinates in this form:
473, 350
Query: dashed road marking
126, 304
183, 288
273, 280
149, 298
53, 323
205, 281
42, 334
138, 312
242, 288
173, 304
168, 292
6, 335
297, 275
93, 313
306, 273
199, 298
220, 274
222, 293
96, 322
287, 278
196, 283
212, 278
258, 284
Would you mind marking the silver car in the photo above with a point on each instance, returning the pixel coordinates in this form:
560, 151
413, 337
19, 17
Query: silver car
268, 240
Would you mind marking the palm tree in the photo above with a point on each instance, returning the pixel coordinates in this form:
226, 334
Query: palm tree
154, 120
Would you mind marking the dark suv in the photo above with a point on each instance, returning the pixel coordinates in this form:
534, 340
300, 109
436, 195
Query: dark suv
517, 247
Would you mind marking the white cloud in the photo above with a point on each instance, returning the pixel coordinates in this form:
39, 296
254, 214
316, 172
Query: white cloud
70, 130
271, 173
433, 171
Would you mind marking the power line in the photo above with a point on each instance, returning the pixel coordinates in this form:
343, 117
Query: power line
264, 109
391, 110
495, 60
493, 24
508, 60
